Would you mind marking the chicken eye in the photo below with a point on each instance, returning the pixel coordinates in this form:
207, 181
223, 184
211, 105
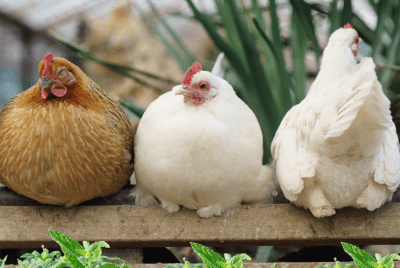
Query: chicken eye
62, 73
203, 86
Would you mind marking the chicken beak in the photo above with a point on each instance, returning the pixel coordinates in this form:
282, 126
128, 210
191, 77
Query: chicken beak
180, 90
45, 83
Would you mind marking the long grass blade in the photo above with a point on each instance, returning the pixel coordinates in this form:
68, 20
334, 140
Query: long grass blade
189, 59
299, 45
229, 52
347, 13
382, 12
334, 17
364, 31
285, 99
133, 108
230, 29
259, 80
285, 80
387, 74
304, 13
82, 54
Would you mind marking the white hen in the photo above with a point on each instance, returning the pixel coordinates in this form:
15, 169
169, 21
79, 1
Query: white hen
201, 147
339, 146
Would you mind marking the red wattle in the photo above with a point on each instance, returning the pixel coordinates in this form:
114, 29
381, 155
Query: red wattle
58, 90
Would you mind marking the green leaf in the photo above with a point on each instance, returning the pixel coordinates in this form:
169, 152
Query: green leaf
382, 11
360, 257
105, 258
175, 266
109, 265
347, 13
388, 259
82, 252
378, 257
86, 245
299, 45
82, 54
209, 257
69, 247
133, 108
227, 257
259, 81
3, 262
237, 260
83, 260
387, 74
188, 58
334, 17
304, 13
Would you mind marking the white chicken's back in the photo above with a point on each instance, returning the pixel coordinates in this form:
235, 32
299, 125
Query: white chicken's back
336, 139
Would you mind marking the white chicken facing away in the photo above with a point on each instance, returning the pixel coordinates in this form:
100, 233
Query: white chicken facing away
201, 147
339, 147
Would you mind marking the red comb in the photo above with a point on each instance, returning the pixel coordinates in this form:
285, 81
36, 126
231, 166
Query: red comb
348, 25
47, 62
187, 79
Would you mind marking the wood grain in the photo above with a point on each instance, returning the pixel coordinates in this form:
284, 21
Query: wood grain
141, 226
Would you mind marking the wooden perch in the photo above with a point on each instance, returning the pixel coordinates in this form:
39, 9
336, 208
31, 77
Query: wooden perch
144, 226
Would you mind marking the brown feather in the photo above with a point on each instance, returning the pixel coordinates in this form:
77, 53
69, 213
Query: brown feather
65, 150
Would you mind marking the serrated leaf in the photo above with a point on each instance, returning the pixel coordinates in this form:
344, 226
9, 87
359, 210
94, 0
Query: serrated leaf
227, 257
112, 265
69, 247
3, 262
374, 265
98, 245
388, 258
360, 257
378, 257
86, 245
175, 266
223, 264
83, 260
239, 258
209, 257
105, 258
81, 252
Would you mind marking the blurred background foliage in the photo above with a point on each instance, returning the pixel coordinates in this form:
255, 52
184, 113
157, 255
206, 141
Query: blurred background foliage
270, 70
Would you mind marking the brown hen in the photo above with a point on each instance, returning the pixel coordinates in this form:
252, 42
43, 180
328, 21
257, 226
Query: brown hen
64, 140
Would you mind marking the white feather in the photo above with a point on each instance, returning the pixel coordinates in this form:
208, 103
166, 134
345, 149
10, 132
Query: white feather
206, 157
338, 147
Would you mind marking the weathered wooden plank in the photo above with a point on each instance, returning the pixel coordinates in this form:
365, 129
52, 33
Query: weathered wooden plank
141, 226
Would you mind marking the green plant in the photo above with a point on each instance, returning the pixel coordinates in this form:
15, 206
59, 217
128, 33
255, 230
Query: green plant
3, 262
337, 265
44, 259
87, 256
212, 259
364, 259
75, 255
